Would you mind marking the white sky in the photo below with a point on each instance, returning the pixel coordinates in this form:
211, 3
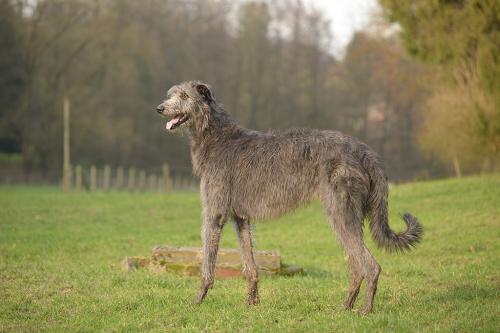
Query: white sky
346, 17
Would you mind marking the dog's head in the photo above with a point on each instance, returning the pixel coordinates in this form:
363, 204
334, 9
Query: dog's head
187, 104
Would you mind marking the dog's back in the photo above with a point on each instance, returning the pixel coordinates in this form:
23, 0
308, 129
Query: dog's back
272, 173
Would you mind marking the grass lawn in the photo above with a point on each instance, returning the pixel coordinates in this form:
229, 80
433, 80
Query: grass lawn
60, 259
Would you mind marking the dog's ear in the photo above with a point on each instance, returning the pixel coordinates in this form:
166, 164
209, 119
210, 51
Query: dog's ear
205, 92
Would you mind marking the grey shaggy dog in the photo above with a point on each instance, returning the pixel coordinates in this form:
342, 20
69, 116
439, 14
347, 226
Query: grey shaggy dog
246, 175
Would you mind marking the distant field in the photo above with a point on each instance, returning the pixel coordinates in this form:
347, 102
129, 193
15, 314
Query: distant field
60, 255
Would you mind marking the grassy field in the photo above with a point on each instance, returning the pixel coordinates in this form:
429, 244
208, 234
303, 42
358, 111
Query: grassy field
60, 259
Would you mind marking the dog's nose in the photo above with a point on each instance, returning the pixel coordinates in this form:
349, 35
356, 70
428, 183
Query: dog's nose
160, 108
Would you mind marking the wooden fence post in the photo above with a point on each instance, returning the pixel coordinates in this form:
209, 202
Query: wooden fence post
142, 180
119, 178
152, 183
107, 177
93, 178
66, 155
78, 178
166, 177
131, 179
456, 166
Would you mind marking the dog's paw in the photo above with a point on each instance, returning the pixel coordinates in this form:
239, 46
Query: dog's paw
199, 299
364, 311
347, 306
253, 301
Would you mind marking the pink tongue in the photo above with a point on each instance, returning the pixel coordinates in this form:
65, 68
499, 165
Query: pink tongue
172, 122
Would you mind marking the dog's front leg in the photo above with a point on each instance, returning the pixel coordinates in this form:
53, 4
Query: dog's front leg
211, 232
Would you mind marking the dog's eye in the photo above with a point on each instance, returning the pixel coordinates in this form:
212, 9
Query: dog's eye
184, 96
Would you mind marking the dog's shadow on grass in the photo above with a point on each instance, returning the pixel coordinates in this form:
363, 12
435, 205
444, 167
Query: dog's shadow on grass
313, 271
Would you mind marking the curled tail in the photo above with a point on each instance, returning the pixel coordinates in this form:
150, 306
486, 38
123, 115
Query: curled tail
382, 234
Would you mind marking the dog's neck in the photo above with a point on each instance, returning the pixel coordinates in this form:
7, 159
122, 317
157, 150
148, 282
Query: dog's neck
218, 126
214, 123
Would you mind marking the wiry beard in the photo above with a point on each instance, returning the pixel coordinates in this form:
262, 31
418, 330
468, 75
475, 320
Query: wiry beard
209, 119
201, 123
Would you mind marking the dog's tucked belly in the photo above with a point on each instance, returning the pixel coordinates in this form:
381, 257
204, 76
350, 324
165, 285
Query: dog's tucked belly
260, 196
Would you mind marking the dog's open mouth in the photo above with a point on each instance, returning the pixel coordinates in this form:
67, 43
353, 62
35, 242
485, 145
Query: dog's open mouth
176, 121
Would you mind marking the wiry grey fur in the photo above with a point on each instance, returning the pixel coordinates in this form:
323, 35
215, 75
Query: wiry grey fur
248, 175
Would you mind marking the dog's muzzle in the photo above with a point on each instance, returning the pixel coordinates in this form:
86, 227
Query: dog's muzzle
160, 108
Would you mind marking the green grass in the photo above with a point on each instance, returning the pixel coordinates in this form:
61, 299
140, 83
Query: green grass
60, 256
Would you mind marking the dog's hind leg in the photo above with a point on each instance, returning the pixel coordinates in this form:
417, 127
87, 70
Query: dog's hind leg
211, 233
372, 272
356, 277
249, 266
343, 197
347, 226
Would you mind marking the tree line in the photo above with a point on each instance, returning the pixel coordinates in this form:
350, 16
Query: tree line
270, 64
460, 41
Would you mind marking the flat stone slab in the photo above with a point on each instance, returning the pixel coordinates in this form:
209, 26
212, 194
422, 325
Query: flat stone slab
187, 261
